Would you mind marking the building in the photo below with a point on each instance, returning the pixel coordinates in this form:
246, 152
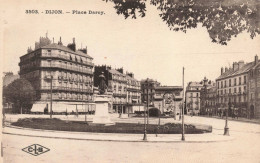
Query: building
206, 101
234, 91
192, 97
148, 86
8, 78
254, 90
60, 74
211, 100
125, 88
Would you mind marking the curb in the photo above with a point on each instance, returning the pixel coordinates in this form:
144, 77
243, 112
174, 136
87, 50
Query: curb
108, 140
234, 120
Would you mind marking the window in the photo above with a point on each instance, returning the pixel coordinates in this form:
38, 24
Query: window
239, 89
239, 80
235, 81
221, 84
244, 79
229, 90
229, 82
235, 90
225, 83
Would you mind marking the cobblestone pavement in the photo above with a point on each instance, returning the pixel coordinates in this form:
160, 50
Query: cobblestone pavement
244, 148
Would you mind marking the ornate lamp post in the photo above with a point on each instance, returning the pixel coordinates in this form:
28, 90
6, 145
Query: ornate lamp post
226, 129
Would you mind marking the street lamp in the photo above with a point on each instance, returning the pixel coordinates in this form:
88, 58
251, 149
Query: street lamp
145, 132
182, 135
147, 102
226, 129
159, 115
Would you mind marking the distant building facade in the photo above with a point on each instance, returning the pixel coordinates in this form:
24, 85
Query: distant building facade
254, 90
193, 99
125, 88
8, 78
237, 89
148, 87
61, 73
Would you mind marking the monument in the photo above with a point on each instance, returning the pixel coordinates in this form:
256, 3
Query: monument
102, 103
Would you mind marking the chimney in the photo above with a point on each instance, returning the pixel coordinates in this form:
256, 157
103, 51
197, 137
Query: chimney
120, 70
235, 66
60, 43
226, 69
241, 64
222, 70
256, 59
86, 50
72, 46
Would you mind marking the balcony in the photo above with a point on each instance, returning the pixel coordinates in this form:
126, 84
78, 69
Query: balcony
66, 58
119, 94
68, 68
69, 89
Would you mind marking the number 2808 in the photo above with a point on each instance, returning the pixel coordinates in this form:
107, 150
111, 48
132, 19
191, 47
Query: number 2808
31, 12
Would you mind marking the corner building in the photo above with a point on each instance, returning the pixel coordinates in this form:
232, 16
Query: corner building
238, 87
60, 74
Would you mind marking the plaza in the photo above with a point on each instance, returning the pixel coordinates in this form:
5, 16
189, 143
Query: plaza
89, 147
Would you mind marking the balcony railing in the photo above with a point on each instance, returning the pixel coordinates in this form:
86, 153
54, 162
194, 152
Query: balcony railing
68, 89
45, 55
67, 68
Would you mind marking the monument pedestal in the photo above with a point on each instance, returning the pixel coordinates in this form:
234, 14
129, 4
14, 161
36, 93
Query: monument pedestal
101, 114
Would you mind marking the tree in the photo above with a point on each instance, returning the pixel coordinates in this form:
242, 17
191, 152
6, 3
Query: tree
223, 19
21, 93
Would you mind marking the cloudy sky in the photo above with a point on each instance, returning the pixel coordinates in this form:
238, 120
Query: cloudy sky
144, 46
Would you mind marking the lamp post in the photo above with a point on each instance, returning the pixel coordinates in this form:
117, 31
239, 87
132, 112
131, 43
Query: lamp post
226, 129
182, 135
147, 103
145, 132
159, 114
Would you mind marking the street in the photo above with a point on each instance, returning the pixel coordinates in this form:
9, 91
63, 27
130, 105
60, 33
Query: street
244, 148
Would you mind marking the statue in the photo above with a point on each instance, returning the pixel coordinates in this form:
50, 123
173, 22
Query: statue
102, 85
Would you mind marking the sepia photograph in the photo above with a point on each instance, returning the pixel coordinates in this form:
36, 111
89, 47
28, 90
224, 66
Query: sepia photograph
125, 81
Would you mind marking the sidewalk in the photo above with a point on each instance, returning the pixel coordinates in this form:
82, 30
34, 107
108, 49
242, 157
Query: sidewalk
189, 138
257, 121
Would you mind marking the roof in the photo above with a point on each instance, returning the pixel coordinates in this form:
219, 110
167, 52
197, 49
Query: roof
129, 77
195, 84
149, 80
231, 72
113, 71
64, 48
167, 88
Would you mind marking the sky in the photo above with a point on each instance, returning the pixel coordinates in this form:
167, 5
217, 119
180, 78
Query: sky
144, 46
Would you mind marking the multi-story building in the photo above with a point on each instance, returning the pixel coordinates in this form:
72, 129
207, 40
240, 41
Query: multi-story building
125, 88
205, 109
254, 90
193, 99
60, 74
211, 100
148, 87
235, 92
